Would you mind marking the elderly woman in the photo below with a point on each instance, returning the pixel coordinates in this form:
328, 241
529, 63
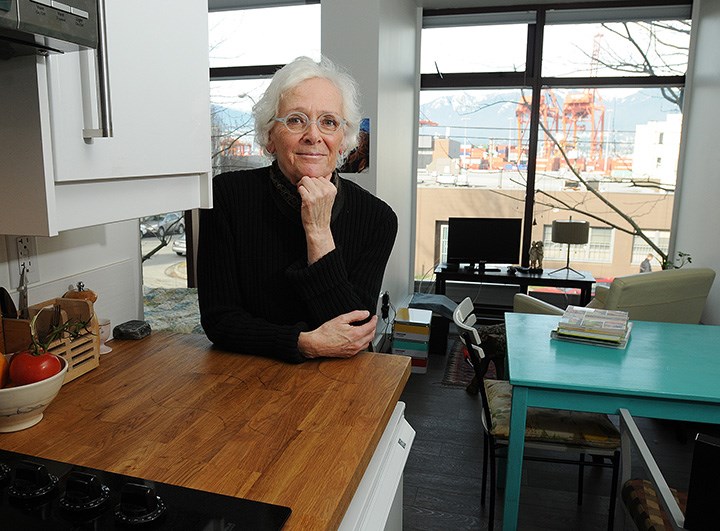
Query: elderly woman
291, 257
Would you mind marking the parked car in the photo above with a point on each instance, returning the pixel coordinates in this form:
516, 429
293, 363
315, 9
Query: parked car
170, 223
180, 245
148, 225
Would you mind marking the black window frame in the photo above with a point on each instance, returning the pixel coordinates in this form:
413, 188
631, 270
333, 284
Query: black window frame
532, 80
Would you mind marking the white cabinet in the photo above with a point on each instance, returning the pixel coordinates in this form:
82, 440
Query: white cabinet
53, 179
378, 500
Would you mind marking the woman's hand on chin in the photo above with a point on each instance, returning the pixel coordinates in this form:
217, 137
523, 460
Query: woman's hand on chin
318, 196
339, 337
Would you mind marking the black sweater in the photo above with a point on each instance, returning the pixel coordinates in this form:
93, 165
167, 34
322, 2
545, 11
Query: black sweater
255, 289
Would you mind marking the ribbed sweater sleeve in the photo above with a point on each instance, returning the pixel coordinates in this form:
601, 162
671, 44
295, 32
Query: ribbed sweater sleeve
257, 292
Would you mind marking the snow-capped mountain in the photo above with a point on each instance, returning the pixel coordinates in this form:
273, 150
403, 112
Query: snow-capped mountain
469, 115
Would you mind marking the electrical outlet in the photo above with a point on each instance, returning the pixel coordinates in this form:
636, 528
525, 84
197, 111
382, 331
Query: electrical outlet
27, 257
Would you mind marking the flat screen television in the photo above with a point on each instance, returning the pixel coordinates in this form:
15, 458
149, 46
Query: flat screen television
481, 241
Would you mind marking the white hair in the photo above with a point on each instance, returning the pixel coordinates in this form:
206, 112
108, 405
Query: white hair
289, 77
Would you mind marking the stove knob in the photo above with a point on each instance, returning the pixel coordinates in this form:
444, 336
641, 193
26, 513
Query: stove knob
4, 473
139, 505
83, 493
31, 482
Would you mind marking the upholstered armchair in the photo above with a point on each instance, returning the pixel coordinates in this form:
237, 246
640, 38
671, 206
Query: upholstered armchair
672, 295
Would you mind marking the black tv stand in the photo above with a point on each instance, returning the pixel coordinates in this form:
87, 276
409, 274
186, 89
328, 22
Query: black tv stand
444, 274
479, 268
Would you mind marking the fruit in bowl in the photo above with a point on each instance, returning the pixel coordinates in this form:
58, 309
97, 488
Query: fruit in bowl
29, 367
34, 375
22, 406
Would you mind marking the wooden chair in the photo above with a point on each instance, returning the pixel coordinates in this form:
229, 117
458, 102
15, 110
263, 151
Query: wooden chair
652, 505
546, 429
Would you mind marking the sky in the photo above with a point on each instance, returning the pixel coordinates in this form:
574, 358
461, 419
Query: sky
241, 38
246, 37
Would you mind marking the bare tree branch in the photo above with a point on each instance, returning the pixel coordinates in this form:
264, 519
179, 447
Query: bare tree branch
635, 228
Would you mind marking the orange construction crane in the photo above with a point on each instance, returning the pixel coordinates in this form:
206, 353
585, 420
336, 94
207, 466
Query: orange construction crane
585, 112
550, 114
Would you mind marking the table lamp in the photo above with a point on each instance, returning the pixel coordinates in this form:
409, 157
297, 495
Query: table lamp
569, 232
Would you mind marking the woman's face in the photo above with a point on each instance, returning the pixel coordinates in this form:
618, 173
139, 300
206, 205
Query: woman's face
312, 153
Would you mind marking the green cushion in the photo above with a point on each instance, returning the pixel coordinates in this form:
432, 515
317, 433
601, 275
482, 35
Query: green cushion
572, 428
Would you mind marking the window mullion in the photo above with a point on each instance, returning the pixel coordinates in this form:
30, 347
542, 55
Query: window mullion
474, 80
535, 45
603, 82
228, 73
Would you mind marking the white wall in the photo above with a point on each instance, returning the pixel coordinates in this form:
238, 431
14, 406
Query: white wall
377, 41
697, 214
105, 258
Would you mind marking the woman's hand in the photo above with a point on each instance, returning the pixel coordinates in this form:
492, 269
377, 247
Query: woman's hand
338, 337
318, 195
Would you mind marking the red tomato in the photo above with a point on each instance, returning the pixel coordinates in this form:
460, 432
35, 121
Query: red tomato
27, 368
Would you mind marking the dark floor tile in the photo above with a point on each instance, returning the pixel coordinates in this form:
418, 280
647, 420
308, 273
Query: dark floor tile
419, 519
443, 501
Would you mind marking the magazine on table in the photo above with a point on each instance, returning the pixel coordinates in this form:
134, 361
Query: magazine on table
594, 325
612, 343
605, 323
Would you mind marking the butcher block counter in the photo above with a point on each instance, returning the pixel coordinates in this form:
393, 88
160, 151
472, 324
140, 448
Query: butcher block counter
171, 408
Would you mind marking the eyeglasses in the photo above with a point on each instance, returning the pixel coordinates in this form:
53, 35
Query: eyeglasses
298, 122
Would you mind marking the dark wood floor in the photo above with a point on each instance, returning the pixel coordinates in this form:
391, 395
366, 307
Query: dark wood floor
444, 470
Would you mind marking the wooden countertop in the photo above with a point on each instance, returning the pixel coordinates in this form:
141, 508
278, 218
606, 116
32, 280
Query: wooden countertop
171, 408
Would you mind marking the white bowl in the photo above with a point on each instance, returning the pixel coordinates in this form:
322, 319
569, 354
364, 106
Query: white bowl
23, 406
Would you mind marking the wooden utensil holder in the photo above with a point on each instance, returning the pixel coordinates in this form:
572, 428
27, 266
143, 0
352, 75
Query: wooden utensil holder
82, 353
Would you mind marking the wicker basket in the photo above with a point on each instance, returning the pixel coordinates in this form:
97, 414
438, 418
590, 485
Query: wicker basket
81, 353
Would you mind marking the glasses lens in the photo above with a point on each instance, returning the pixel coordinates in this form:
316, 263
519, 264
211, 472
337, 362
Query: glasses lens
297, 122
328, 123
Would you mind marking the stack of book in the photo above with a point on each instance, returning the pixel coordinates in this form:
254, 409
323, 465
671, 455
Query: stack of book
595, 326
411, 336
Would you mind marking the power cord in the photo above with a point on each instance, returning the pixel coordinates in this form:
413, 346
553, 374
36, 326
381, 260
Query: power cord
385, 306
432, 282
480, 287
385, 313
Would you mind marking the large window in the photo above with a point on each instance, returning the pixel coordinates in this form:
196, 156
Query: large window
242, 61
477, 46
554, 112
267, 36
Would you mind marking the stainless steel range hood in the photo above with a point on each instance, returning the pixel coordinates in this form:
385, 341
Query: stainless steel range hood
47, 26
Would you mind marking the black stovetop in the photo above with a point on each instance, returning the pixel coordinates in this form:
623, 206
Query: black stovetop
50, 495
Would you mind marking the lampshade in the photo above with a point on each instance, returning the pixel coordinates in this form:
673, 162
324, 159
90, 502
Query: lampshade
570, 231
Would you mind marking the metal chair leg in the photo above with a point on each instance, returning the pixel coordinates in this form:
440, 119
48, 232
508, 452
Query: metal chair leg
493, 487
486, 443
613, 489
581, 479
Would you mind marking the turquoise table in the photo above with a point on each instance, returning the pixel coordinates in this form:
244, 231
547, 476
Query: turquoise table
667, 370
